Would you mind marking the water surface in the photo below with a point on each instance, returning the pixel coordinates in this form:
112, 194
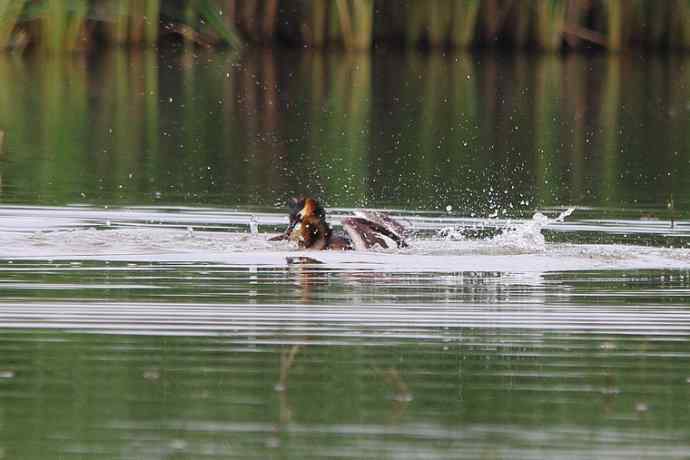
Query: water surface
140, 317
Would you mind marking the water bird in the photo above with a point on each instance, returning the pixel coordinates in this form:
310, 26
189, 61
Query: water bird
366, 229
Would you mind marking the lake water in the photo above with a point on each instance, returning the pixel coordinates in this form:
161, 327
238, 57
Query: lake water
541, 311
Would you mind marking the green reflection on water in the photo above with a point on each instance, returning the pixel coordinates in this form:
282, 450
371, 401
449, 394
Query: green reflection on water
110, 394
257, 387
478, 132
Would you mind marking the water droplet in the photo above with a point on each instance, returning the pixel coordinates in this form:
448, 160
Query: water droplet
152, 374
273, 442
6, 374
178, 444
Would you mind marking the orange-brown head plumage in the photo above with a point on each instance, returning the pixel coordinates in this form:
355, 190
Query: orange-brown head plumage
308, 224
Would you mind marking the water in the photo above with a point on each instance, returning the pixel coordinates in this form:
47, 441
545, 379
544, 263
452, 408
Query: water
541, 310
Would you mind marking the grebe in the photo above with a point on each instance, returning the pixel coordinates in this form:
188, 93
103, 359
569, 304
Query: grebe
365, 230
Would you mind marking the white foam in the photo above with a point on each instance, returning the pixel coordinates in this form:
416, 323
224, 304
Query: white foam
520, 248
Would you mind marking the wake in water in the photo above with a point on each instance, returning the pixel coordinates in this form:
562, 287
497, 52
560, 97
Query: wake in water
217, 236
507, 237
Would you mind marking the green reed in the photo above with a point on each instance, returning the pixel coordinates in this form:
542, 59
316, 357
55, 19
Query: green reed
10, 70
70, 25
74, 34
546, 24
680, 24
463, 22
315, 30
52, 26
549, 25
117, 27
362, 14
621, 22
10, 11
151, 13
208, 12
655, 17
416, 18
439, 22
344, 23
518, 23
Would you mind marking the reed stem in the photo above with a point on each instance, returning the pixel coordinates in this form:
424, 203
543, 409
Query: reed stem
117, 29
463, 25
151, 21
10, 10
75, 26
549, 25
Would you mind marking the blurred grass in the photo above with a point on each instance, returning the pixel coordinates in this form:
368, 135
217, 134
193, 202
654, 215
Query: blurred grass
10, 11
71, 25
549, 25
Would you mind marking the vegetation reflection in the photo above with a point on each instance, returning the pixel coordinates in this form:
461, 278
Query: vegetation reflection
483, 135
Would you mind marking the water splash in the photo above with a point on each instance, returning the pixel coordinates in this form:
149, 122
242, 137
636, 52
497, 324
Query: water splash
527, 236
523, 236
253, 225
561, 217
194, 235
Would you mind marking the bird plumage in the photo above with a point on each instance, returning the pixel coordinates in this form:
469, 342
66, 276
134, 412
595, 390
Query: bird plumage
309, 228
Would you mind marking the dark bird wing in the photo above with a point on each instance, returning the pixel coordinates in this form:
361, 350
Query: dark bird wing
384, 220
370, 228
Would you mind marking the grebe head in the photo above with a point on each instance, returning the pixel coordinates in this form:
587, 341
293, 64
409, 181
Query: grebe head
301, 208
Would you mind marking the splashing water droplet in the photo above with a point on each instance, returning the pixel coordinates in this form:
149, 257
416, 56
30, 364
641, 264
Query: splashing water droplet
527, 236
253, 225
6, 374
561, 217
